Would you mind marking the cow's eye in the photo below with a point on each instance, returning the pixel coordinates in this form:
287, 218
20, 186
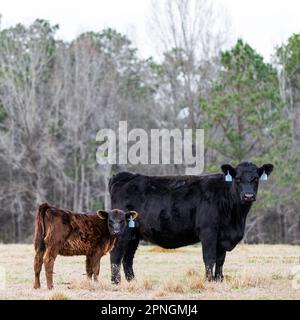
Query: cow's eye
238, 180
255, 180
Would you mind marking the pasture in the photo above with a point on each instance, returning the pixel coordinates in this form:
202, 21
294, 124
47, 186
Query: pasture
251, 272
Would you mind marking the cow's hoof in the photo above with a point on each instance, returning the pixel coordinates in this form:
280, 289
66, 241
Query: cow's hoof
219, 278
36, 286
50, 287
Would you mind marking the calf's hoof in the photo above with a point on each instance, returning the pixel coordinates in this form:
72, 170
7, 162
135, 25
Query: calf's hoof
130, 278
116, 279
115, 282
36, 286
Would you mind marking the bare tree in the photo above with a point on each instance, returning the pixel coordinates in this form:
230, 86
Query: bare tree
189, 35
25, 141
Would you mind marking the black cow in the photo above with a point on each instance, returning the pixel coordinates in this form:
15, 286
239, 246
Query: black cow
176, 211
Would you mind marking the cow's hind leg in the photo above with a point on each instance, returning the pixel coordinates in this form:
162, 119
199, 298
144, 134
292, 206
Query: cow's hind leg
38, 263
128, 259
219, 264
49, 259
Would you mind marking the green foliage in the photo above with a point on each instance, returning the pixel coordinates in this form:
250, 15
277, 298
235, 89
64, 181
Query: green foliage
245, 106
24, 43
288, 61
288, 56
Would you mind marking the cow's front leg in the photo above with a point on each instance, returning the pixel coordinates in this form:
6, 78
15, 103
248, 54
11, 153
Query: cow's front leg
209, 250
221, 253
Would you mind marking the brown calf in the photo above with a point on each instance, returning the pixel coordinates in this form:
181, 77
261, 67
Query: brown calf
67, 233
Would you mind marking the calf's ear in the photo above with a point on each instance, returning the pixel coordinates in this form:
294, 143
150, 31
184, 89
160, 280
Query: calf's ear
102, 214
227, 168
267, 168
132, 214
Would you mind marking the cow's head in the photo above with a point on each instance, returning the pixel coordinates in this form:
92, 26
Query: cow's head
245, 178
117, 220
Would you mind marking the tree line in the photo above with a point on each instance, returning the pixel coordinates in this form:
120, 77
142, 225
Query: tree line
55, 96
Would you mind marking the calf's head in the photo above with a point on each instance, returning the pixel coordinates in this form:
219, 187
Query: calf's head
117, 220
245, 179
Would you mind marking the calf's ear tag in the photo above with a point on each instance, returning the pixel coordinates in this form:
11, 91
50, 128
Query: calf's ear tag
131, 223
228, 177
263, 177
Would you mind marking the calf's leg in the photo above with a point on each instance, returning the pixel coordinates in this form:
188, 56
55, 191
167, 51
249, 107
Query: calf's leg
38, 262
116, 256
128, 259
96, 270
96, 264
49, 259
115, 264
89, 267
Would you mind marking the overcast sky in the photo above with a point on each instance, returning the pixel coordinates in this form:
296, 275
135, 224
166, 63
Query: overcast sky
262, 23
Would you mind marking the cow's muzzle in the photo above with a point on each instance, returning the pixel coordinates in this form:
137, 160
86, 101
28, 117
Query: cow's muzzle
249, 197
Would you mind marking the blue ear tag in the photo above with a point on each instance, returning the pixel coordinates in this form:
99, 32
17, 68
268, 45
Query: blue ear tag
131, 223
228, 177
263, 177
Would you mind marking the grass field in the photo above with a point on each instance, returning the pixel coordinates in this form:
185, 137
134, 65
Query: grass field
251, 272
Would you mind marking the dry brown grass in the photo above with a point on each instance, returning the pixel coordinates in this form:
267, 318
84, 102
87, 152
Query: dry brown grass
160, 249
174, 286
196, 283
251, 272
192, 271
249, 281
58, 296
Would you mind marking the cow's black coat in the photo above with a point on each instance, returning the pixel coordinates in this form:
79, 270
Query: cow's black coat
177, 211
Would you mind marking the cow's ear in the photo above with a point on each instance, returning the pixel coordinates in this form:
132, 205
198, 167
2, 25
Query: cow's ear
227, 168
102, 214
266, 168
132, 214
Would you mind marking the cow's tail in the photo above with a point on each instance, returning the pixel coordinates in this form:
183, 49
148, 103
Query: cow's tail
39, 242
